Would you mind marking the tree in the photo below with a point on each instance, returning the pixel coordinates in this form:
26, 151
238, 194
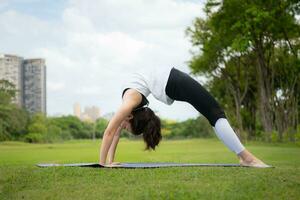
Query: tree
101, 125
238, 37
71, 126
13, 120
7, 92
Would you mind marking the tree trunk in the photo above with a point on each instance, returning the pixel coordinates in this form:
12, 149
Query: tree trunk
264, 87
234, 88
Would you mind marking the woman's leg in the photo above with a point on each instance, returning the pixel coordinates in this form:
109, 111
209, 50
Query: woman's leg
182, 87
226, 134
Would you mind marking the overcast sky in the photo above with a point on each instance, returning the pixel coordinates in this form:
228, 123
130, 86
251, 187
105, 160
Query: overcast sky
90, 46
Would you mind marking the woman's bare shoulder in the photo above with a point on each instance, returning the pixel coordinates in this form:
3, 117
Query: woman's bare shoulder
133, 96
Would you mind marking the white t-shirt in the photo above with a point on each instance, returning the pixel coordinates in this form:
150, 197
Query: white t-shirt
152, 80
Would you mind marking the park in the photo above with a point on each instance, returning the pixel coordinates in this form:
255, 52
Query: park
206, 92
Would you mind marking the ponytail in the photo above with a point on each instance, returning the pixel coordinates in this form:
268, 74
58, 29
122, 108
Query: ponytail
145, 122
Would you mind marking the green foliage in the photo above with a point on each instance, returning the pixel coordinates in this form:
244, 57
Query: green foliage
13, 120
54, 134
274, 136
297, 135
46, 130
4, 135
72, 126
37, 127
7, 92
66, 135
101, 125
34, 138
249, 50
191, 128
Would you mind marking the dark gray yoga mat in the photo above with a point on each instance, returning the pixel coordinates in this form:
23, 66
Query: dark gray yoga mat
140, 165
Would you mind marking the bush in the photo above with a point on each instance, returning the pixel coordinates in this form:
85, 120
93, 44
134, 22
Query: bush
166, 132
191, 128
53, 134
34, 138
101, 125
66, 135
13, 122
243, 136
274, 136
37, 127
297, 135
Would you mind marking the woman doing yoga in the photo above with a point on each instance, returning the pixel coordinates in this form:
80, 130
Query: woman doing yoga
167, 85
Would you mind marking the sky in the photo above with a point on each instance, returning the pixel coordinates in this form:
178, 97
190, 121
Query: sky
91, 45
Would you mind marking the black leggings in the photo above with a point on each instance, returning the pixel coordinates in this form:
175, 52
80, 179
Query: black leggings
182, 87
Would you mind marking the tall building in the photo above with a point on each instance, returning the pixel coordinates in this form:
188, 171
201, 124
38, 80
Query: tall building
29, 78
93, 112
34, 85
89, 114
77, 110
11, 69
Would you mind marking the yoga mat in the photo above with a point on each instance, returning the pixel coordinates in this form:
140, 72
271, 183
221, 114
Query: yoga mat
141, 165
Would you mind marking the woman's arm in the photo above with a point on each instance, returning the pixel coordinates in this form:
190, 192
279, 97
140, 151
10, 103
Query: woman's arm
113, 146
131, 99
110, 131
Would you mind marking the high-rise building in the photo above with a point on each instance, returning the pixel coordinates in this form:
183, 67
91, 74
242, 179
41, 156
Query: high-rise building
34, 85
93, 112
29, 78
77, 110
11, 70
89, 114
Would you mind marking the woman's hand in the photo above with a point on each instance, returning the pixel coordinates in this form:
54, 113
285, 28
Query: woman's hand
114, 164
102, 164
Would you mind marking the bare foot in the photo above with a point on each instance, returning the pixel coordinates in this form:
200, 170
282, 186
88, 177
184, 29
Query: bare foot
254, 163
249, 160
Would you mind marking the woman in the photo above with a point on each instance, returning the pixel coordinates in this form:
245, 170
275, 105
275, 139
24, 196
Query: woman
167, 85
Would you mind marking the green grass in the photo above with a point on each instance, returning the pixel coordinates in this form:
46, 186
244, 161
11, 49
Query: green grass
21, 179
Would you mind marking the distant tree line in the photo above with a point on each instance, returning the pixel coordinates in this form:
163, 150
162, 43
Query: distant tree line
17, 124
190, 128
249, 53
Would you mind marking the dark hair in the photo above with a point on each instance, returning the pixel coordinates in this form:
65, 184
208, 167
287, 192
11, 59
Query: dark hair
145, 122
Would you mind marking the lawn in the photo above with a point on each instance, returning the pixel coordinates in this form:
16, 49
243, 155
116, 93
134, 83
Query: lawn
21, 179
